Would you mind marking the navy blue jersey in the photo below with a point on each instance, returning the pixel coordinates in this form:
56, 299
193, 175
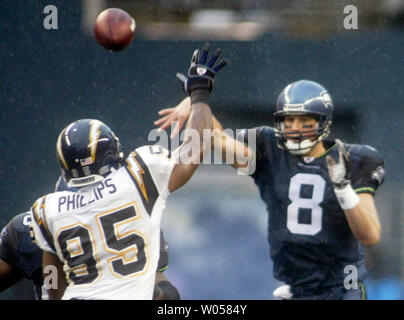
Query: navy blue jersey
310, 241
18, 250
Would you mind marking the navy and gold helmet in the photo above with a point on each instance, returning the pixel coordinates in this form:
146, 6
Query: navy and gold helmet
303, 97
87, 151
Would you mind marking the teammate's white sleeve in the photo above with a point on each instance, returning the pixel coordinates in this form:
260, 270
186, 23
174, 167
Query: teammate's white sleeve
40, 233
160, 165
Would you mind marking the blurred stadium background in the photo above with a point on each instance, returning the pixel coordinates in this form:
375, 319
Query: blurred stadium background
216, 226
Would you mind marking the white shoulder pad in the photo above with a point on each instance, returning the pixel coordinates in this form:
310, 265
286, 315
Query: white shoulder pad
157, 160
40, 233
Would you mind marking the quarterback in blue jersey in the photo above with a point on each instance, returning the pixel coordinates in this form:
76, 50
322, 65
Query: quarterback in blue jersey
319, 193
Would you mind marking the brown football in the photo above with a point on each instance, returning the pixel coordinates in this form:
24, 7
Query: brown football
114, 29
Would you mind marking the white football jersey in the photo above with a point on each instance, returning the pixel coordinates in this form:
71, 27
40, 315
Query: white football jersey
108, 234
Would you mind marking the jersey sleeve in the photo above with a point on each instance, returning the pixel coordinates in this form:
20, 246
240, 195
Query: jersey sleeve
367, 169
40, 232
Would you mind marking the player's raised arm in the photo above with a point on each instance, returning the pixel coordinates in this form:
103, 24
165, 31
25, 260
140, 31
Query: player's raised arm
232, 150
198, 84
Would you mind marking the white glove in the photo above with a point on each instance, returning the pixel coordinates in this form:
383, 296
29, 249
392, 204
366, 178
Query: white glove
339, 172
339, 175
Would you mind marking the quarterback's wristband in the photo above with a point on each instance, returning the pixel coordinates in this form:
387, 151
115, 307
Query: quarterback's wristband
347, 197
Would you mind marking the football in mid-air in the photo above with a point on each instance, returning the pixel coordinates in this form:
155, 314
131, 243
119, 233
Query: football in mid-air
114, 29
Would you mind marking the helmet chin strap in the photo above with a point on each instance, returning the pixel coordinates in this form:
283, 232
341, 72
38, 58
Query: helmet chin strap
301, 148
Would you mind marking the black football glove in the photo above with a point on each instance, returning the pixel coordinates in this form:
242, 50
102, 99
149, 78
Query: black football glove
201, 73
339, 172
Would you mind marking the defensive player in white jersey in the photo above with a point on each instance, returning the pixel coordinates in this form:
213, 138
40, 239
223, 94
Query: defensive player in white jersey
104, 238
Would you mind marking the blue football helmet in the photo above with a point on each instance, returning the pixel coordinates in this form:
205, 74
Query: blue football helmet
87, 151
303, 97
